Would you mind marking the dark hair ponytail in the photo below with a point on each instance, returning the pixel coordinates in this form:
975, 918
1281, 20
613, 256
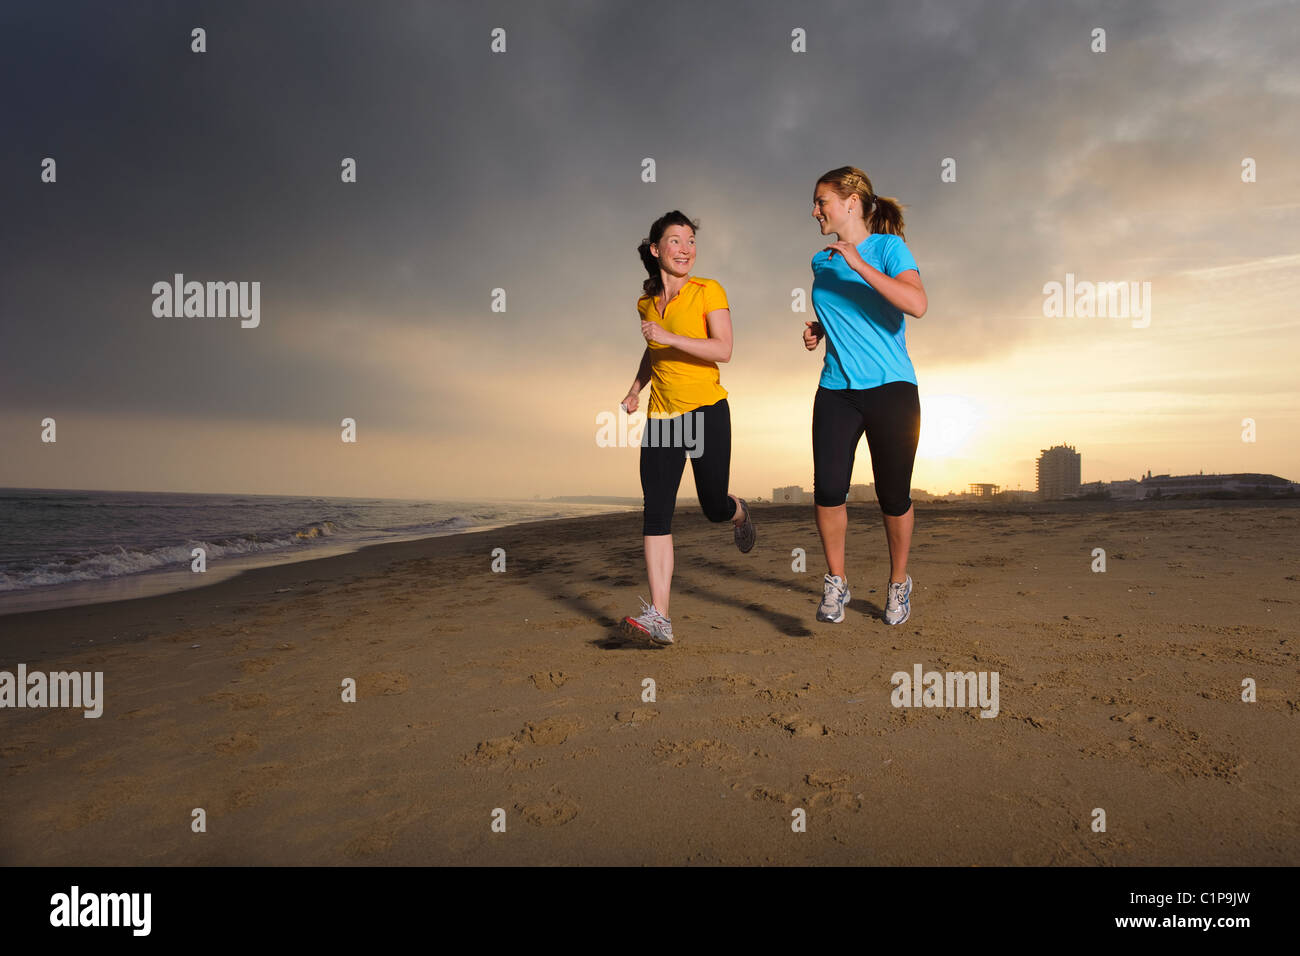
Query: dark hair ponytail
881, 213
654, 285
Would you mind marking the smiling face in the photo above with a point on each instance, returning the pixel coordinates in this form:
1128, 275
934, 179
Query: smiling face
832, 212
675, 250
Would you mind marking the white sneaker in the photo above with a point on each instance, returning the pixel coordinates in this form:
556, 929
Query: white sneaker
650, 623
835, 594
898, 606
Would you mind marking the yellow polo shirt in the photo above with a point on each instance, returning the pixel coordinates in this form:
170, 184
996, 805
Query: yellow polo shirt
679, 382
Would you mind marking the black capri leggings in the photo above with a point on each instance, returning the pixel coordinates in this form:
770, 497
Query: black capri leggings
665, 444
890, 414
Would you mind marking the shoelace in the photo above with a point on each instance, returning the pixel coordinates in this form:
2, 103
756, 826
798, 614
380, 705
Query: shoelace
649, 610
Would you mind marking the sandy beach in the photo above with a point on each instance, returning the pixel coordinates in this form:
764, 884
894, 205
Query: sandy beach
479, 690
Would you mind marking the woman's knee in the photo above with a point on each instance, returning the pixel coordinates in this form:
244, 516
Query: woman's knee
653, 525
895, 505
830, 494
717, 509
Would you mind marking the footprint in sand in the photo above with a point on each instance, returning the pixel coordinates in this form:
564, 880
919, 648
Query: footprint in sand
723, 683
703, 752
549, 680
494, 749
799, 726
550, 732
547, 733
548, 813
830, 779
832, 791
833, 800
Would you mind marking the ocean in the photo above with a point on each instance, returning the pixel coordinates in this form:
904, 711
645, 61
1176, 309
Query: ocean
62, 548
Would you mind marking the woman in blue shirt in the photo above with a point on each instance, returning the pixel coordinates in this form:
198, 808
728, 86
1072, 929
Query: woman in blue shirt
863, 283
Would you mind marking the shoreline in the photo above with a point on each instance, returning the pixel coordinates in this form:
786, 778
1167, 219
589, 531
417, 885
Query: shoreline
407, 548
266, 580
162, 581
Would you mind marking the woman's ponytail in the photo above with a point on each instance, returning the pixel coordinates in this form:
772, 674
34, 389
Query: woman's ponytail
881, 213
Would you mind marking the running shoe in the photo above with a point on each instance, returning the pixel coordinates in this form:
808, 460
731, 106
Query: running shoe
745, 533
898, 606
835, 594
650, 623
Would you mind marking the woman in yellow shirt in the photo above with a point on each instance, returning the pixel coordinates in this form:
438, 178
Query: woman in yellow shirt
686, 323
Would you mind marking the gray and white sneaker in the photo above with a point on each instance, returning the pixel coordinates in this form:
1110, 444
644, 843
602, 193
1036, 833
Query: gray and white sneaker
898, 606
649, 623
744, 532
835, 594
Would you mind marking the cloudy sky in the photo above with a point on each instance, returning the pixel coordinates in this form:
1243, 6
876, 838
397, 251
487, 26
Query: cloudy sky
521, 171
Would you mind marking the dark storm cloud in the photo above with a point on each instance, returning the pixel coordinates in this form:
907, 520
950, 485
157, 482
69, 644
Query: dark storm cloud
521, 171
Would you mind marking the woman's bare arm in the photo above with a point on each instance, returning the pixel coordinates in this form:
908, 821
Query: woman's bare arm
633, 397
903, 291
716, 348
642, 377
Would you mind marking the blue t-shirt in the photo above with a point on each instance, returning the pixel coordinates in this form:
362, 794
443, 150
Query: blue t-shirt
866, 337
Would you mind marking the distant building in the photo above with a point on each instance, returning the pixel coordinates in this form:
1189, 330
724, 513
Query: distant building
1058, 471
1127, 488
1167, 485
865, 492
795, 495
790, 495
983, 490
1017, 494
1206, 484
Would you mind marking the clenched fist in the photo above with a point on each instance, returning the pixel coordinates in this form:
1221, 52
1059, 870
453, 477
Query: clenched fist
812, 334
